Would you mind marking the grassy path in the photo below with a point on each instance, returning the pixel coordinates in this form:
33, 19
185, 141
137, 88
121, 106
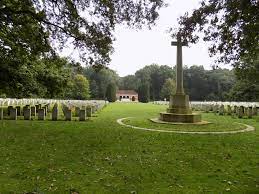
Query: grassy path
101, 156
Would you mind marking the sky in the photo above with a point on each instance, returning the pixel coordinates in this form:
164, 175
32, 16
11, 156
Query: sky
135, 49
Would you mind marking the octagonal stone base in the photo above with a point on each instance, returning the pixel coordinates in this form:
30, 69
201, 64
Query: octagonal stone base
180, 118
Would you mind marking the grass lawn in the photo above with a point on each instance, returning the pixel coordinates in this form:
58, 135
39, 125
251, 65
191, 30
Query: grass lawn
100, 156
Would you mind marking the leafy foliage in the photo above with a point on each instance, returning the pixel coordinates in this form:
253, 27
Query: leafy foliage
99, 81
111, 92
79, 88
168, 89
46, 77
231, 26
155, 75
143, 92
88, 25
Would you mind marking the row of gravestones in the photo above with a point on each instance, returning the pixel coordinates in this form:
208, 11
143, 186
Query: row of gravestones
41, 111
239, 111
26, 111
82, 113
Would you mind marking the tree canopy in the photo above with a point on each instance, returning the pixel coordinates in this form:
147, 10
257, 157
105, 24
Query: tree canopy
230, 26
35, 26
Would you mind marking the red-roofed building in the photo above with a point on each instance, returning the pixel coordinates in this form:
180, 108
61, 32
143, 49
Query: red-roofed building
127, 95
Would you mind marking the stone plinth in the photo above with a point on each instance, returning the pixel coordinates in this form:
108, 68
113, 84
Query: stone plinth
180, 118
27, 113
179, 111
179, 104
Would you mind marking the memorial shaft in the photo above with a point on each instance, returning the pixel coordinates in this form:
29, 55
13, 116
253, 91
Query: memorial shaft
179, 70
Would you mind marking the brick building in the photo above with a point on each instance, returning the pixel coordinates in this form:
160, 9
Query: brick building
127, 95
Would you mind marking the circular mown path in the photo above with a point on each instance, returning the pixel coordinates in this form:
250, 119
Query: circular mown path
247, 129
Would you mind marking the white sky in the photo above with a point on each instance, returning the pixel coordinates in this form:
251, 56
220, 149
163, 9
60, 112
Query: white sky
136, 49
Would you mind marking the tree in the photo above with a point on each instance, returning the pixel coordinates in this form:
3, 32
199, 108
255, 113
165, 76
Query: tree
156, 76
79, 88
196, 82
88, 25
111, 92
128, 82
231, 27
31, 30
45, 78
143, 92
244, 91
99, 80
168, 89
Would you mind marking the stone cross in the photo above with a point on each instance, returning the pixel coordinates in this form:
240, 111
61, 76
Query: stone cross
179, 63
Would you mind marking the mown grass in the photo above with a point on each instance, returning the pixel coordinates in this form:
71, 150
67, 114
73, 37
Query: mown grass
100, 156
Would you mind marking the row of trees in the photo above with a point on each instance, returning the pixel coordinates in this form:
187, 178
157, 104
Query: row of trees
56, 77
158, 82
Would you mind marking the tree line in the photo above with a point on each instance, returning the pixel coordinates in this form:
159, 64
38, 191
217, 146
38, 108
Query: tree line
56, 77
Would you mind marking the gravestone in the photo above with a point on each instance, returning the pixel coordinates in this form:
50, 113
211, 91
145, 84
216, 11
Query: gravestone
48, 107
221, 110
37, 106
41, 114
77, 110
33, 111
9, 109
25, 107
89, 111
82, 115
255, 111
229, 110
55, 113
240, 112
27, 113
249, 112
179, 107
46, 110
13, 113
207, 108
245, 111
68, 115
18, 110
1, 113
235, 109
215, 108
